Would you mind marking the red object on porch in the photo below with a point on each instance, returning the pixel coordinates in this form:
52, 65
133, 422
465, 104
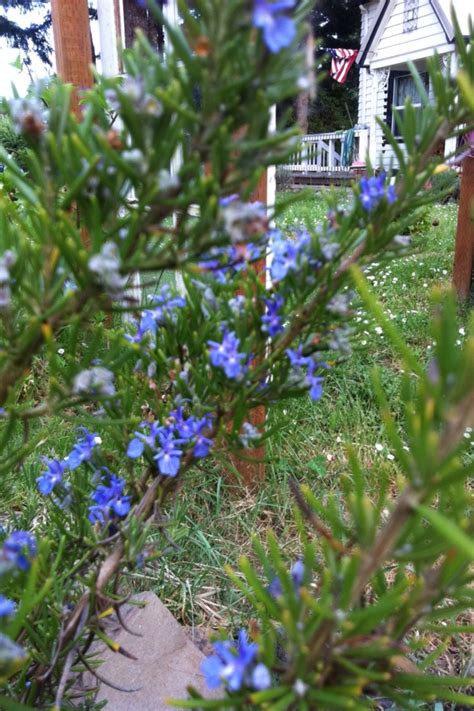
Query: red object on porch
464, 249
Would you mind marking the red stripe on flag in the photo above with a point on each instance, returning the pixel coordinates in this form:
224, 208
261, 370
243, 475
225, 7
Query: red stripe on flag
341, 63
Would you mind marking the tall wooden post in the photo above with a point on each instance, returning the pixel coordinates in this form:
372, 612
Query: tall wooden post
464, 250
72, 44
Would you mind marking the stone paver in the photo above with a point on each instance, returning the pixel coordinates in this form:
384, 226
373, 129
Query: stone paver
167, 661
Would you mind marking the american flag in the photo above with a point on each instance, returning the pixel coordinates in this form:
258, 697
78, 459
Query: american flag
342, 61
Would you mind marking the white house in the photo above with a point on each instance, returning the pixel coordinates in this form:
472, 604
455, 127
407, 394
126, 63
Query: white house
394, 32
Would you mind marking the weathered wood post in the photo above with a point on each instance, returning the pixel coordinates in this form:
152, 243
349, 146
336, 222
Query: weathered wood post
72, 44
464, 249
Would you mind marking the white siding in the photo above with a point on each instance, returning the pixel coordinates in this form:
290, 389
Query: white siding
396, 47
368, 16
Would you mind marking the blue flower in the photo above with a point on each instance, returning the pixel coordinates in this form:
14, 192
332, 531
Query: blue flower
373, 192
234, 666
298, 362
284, 256
137, 445
83, 449
225, 355
279, 31
52, 476
109, 501
261, 678
191, 430
19, 549
164, 311
7, 607
271, 320
297, 573
169, 456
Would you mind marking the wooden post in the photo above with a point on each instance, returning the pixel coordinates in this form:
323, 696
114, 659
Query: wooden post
252, 470
464, 249
72, 44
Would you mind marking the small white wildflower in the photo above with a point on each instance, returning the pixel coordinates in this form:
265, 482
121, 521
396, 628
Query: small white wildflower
379, 447
300, 688
60, 351
390, 457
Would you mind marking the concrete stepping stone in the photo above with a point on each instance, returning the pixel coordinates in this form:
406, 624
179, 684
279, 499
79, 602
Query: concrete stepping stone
167, 660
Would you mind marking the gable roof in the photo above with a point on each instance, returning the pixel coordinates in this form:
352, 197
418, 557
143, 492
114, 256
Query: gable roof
442, 9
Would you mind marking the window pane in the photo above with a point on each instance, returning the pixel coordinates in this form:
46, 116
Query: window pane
405, 88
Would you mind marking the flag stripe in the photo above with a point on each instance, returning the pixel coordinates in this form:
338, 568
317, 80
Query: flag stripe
342, 61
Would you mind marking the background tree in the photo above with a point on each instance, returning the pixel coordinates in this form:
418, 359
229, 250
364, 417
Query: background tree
335, 25
30, 39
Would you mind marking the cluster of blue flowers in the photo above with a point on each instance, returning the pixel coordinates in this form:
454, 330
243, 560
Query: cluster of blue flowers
290, 255
278, 29
168, 443
235, 666
164, 308
82, 451
226, 355
374, 190
16, 553
109, 501
18, 550
298, 363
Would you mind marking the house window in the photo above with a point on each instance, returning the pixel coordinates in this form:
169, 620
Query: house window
410, 15
402, 87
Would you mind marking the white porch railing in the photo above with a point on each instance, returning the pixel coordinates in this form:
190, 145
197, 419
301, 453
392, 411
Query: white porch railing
325, 152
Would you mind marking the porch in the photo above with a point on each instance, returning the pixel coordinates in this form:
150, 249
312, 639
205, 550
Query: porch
327, 158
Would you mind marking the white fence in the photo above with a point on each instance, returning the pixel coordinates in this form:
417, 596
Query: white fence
324, 152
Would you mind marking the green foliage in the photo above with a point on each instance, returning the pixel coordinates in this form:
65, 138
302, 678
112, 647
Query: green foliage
11, 142
375, 570
180, 375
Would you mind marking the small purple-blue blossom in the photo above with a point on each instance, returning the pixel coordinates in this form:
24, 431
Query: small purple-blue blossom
234, 666
7, 607
271, 320
164, 311
109, 501
83, 449
298, 361
374, 190
297, 573
226, 355
51, 476
290, 255
279, 31
168, 457
141, 440
19, 549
